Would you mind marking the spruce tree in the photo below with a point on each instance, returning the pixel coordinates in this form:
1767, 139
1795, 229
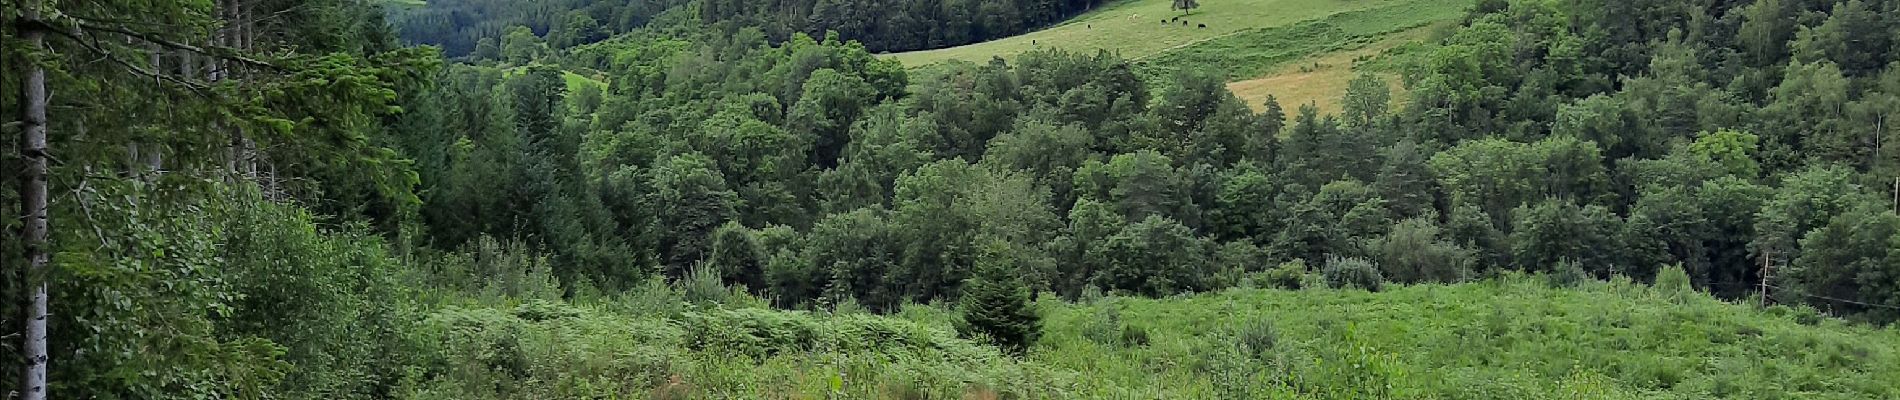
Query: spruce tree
996, 303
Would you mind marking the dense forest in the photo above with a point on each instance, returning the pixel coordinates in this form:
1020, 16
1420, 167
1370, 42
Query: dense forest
480, 27
262, 199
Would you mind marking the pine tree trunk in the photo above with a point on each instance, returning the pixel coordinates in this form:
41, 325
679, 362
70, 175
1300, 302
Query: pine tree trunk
33, 207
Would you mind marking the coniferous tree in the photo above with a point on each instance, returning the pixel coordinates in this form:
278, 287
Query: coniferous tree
997, 304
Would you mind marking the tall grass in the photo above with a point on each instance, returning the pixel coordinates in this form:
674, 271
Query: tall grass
1514, 336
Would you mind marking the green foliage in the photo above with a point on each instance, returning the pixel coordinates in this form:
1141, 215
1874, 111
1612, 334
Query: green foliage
1139, 185
692, 201
1804, 201
1850, 259
1289, 275
161, 269
1349, 272
1154, 257
1673, 282
1413, 252
578, 222
1108, 329
1470, 341
520, 46
1567, 273
1498, 176
1250, 53
1734, 151
1554, 230
702, 286
737, 256
996, 305
1256, 339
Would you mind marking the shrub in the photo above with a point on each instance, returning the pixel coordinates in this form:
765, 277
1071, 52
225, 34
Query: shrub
1804, 314
1313, 279
702, 286
1104, 326
1343, 272
1134, 336
996, 304
1233, 261
1091, 294
651, 296
1286, 276
1673, 283
750, 332
1413, 252
1567, 273
486, 344
543, 310
1256, 338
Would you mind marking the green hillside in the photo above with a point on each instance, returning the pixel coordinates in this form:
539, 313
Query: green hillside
1514, 337
1135, 29
700, 199
1253, 52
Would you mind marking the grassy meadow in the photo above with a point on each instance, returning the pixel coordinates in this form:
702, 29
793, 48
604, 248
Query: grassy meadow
1133, 28
1299, 51
1511, 337
1321, 79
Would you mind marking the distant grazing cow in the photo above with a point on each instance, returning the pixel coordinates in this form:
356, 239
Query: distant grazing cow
1183, 23
1203, 25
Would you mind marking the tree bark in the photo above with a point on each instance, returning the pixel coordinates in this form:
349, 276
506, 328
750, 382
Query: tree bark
33, 148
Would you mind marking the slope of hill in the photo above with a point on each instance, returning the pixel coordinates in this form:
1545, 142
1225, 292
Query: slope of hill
1140, 28
1321, 79
1299, 51
1513, 337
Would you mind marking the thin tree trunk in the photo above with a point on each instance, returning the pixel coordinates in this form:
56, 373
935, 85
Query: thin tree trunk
33, 199
227, 36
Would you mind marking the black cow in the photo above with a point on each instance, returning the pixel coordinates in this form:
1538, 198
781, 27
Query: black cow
1203, 25
1183, 23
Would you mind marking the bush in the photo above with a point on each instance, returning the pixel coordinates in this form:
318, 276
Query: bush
1673, 283
751, 332
1134, 336
1567, 273
1091, 294
651, 296
1343, 272
1256, 338
1413, 252
1801, 313
1286, 276
996, 305
1233, 260
702, 285
543, 310
1104, 327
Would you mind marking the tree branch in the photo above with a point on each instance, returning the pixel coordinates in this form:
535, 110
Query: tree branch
218, 52
89, 45
225, 53
123, 22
